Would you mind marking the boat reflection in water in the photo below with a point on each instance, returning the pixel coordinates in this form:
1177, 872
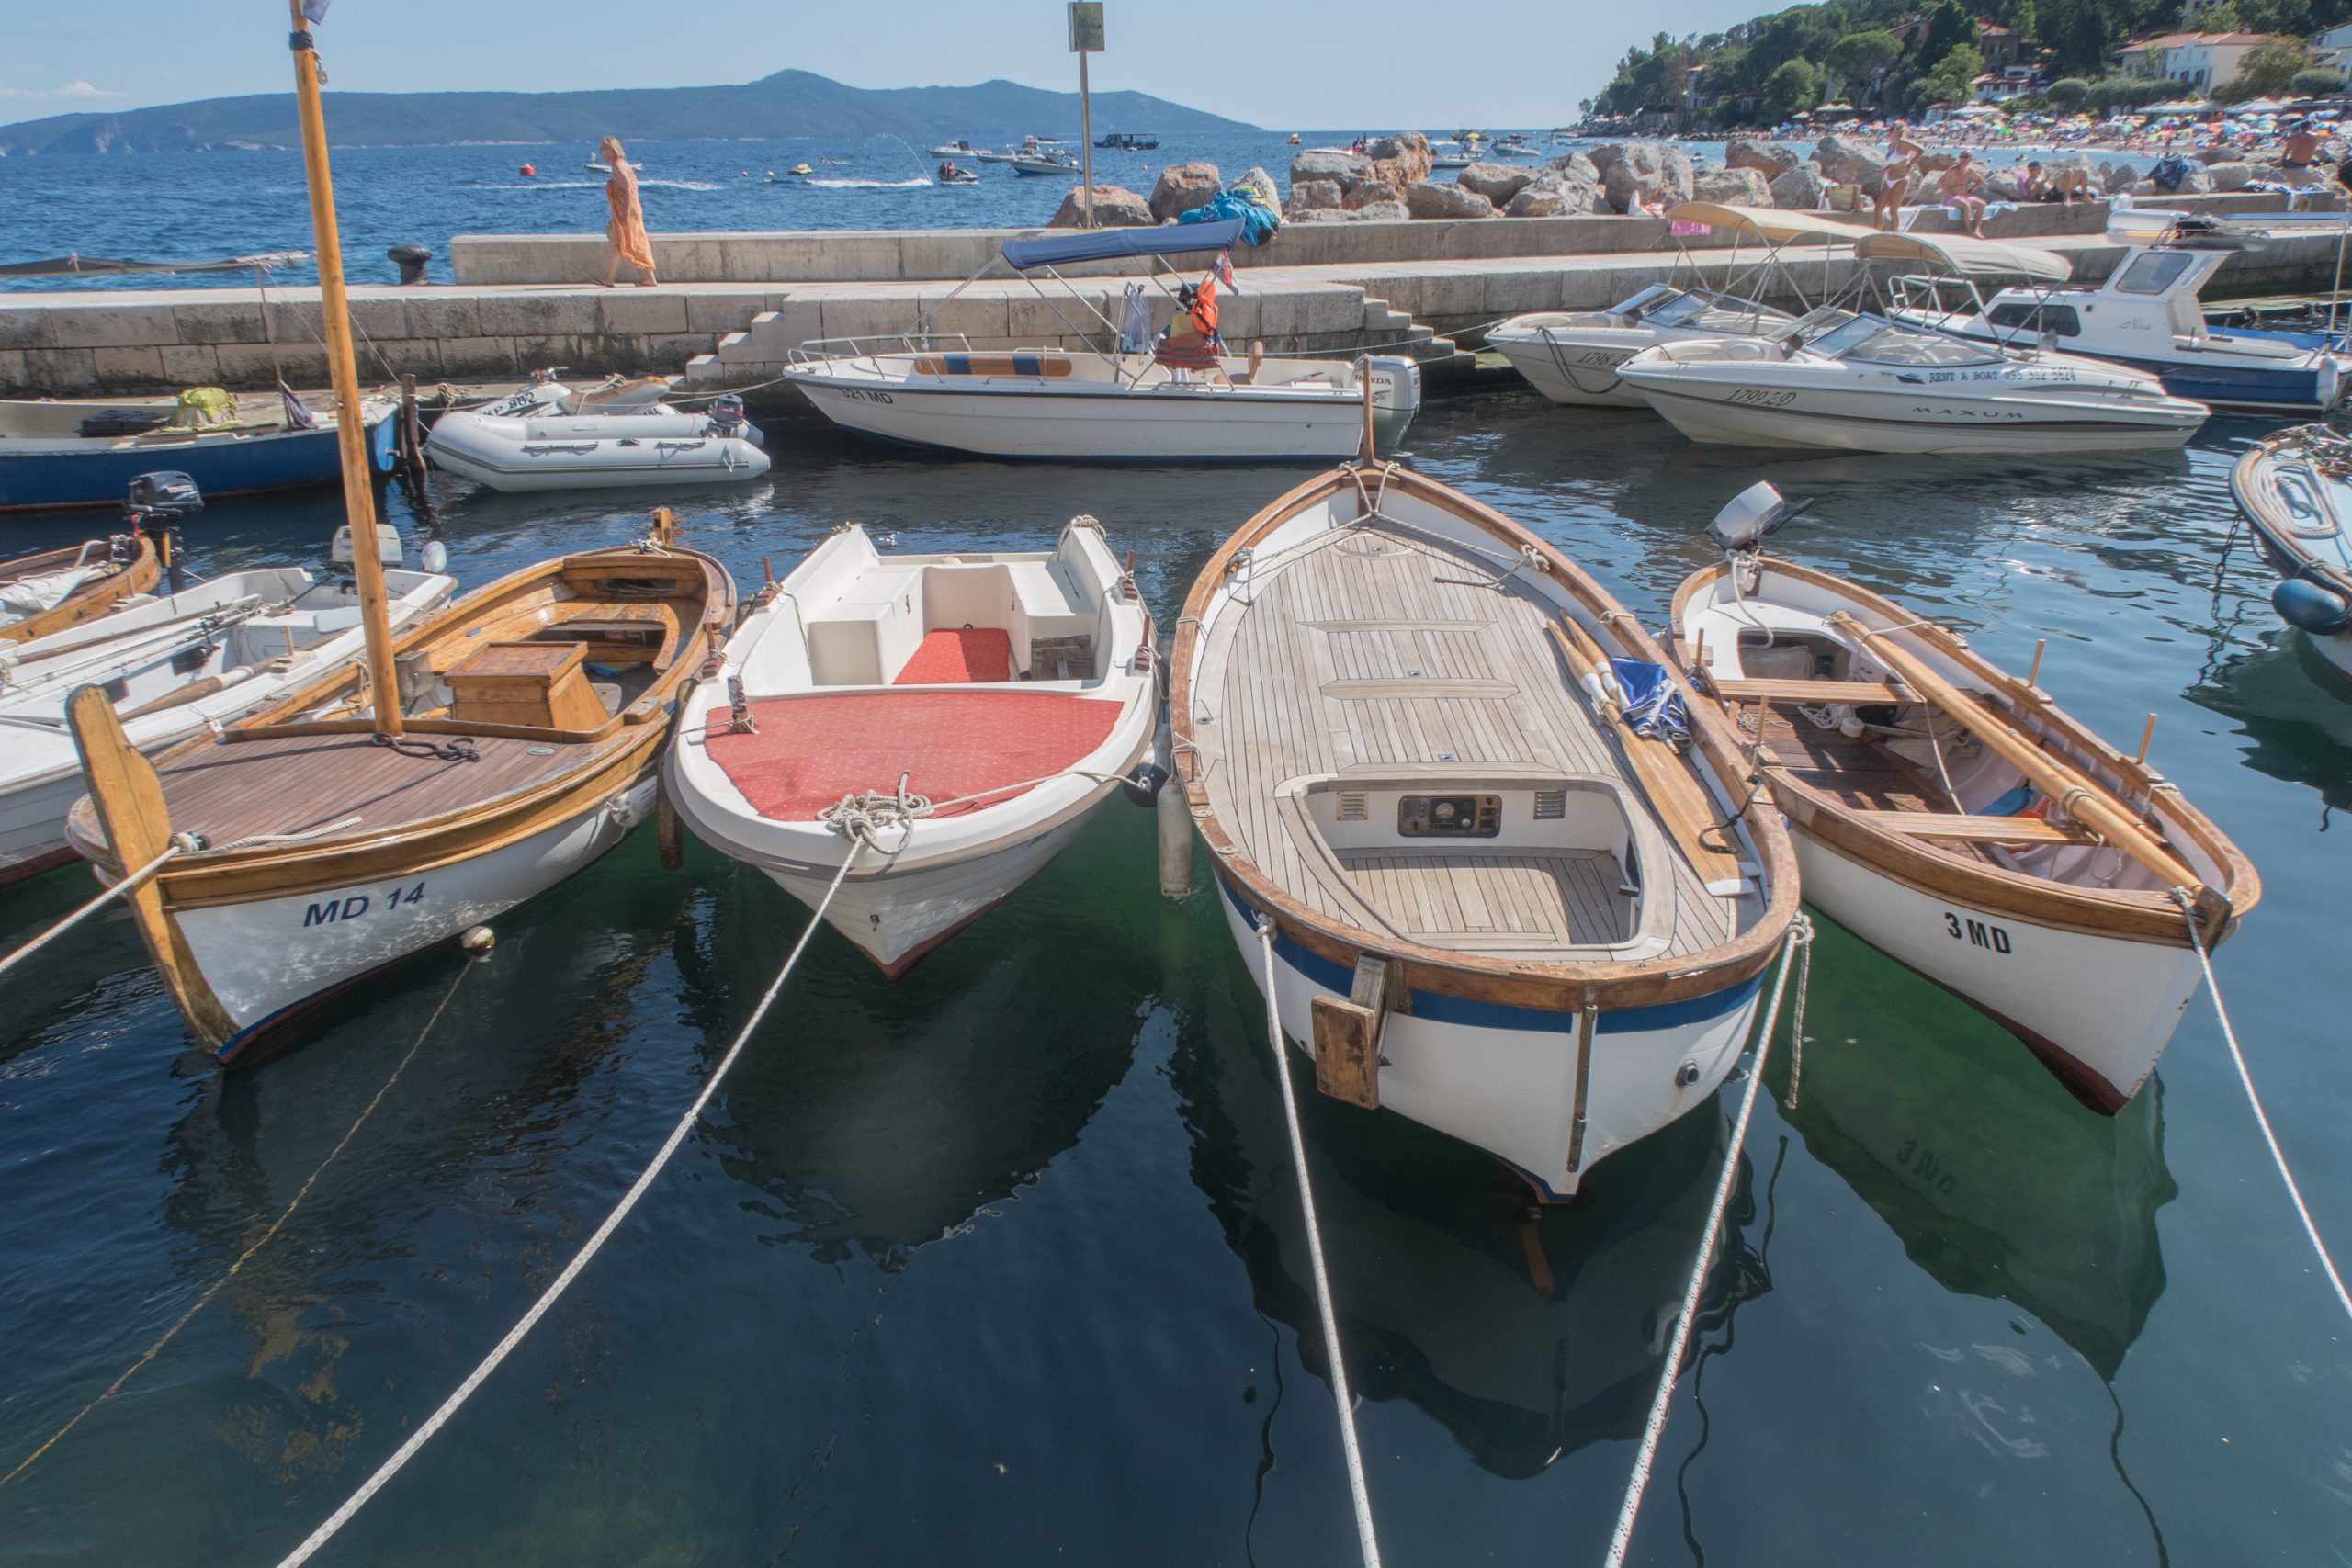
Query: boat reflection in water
1997, 1183
1527, 1334
2291, 707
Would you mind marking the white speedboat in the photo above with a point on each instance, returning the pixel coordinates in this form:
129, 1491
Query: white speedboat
1043, 163
1571, 356
1407, 728
2295, 488
960, 148
548, 436
2147, 315
1952, 815
975, 708
175, 665
1151, 404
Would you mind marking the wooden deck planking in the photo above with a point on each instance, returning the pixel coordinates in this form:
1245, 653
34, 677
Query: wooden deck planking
300, 783
1333, 614
1514, 900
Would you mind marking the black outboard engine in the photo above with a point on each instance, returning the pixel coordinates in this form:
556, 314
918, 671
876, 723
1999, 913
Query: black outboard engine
727, 418
157, 504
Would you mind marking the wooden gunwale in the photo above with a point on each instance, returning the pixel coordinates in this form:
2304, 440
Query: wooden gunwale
2145, 916
611, 757
135, 576
2276, 540
1547, 986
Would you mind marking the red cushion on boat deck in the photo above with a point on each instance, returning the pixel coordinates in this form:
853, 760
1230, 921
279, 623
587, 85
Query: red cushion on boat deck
811, 751
958, 655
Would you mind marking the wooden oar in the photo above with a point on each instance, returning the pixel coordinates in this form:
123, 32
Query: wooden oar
2075, 793
1681, 801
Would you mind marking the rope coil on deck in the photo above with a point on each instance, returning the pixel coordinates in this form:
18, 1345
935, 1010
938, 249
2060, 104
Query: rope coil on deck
1345, 1402
572, 1272
2182, 896
1799, 936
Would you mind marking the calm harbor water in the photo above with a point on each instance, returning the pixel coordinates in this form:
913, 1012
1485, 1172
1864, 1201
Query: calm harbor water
1001, 1264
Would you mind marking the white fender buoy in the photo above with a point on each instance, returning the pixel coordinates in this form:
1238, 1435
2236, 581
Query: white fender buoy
1172, 813
477, 938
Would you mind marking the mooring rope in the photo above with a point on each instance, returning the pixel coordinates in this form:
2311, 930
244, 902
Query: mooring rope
1366, 1540
181, 844
1799, 935
2182, 896
259, 1242
554, 1292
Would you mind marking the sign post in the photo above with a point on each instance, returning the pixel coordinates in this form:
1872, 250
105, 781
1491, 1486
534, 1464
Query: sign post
1085, 39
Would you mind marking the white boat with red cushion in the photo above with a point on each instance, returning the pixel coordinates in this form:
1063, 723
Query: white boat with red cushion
958, 715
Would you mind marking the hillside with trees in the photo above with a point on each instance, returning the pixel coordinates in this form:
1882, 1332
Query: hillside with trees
1899, 57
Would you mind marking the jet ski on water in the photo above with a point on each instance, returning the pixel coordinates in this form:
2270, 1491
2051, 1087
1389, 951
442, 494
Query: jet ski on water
550, 436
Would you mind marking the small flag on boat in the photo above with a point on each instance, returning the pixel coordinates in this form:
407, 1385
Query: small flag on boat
1223, 271
298, 414
316, 10
1680, 227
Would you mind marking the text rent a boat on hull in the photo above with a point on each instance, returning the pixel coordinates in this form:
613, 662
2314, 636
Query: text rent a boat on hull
1498, 911
476, 760
1572, 357
970, 711
172, 664
1178, 397
2295, 488
1950, 814
1849, 381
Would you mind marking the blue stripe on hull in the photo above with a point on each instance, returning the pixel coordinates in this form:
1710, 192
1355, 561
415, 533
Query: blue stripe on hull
259, 463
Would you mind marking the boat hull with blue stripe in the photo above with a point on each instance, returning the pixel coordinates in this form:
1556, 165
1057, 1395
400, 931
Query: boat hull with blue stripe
2295, 491
45, 461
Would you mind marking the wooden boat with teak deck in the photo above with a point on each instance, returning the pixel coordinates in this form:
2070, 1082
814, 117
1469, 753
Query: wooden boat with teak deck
55, 589
1496, 909
327, 843
1956, 818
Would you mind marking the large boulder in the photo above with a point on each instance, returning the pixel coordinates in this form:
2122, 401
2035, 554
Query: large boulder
1383, 211
2005, 184
1765, 158
2118, 177
1567, 186
1800, 189
1645, 176
1426, 200
1496, 182
1402, 160
1731, 188
1365, 192
1313, 195
1329, 164
1114, 207
1845, 161
1183, 187
2229, 176
1257, 179
1936, 160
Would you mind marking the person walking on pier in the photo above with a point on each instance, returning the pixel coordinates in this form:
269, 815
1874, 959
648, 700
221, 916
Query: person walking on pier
627, 229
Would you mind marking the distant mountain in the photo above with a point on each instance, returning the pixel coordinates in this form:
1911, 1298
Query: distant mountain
791, 103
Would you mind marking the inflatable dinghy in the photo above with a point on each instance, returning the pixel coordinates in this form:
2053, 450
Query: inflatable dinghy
548, 436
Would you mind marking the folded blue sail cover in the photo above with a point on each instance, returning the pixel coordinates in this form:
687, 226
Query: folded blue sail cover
1258, 224
1653, 707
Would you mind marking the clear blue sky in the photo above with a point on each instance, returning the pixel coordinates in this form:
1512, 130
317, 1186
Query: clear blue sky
1278, 63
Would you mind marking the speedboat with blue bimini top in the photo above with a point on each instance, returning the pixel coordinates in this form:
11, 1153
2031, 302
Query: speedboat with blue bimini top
1849, 381
2294, 490
2146, 315
549, 437
1515, 882
1953, 817
1153, 397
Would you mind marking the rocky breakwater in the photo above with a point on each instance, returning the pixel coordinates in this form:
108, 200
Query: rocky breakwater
1391, 180
1180, 188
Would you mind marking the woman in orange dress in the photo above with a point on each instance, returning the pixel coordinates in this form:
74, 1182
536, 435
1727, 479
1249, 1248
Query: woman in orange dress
626, 230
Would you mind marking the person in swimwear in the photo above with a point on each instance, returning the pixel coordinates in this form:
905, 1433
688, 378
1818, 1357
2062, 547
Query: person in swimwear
1902, 169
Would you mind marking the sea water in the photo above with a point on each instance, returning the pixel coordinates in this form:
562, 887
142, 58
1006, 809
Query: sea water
1003, 1263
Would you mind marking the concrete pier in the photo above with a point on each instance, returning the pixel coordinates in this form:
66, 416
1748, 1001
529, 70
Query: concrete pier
732, 307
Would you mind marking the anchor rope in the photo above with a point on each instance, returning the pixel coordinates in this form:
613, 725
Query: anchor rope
1345, 1402
2182, 896
181, 844
594, 1243
259, 1242
1799, 936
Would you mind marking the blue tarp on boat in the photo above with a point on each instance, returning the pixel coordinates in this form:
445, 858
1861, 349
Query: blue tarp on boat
1653, 707
1258, 222
1110, 244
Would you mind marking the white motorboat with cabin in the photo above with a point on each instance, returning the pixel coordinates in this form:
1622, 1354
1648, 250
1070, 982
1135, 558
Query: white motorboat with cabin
1044, 163
2146, 315
960, 148
1843, 380
549, 437
1407, 731
1150, 399
951, 720
1571, 356
2295, 488
1952, 815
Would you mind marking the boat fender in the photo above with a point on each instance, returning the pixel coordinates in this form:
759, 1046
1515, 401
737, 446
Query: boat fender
2302, 602
433, 558
1143, 785
477, 940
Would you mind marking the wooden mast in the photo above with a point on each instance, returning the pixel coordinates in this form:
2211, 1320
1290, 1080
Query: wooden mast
351, 433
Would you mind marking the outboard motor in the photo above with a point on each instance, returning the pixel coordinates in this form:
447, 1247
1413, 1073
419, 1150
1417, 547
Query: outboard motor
728, 420
157, 504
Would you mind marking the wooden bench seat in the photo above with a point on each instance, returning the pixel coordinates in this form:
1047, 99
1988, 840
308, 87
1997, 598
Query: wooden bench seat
1859, 692
1973, 830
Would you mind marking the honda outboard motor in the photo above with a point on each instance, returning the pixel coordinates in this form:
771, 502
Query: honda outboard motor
727, 418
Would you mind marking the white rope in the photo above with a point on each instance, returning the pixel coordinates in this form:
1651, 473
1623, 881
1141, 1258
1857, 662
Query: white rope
1799, 935
2230, 1036
540, 1309
130, 884
1366, 1540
